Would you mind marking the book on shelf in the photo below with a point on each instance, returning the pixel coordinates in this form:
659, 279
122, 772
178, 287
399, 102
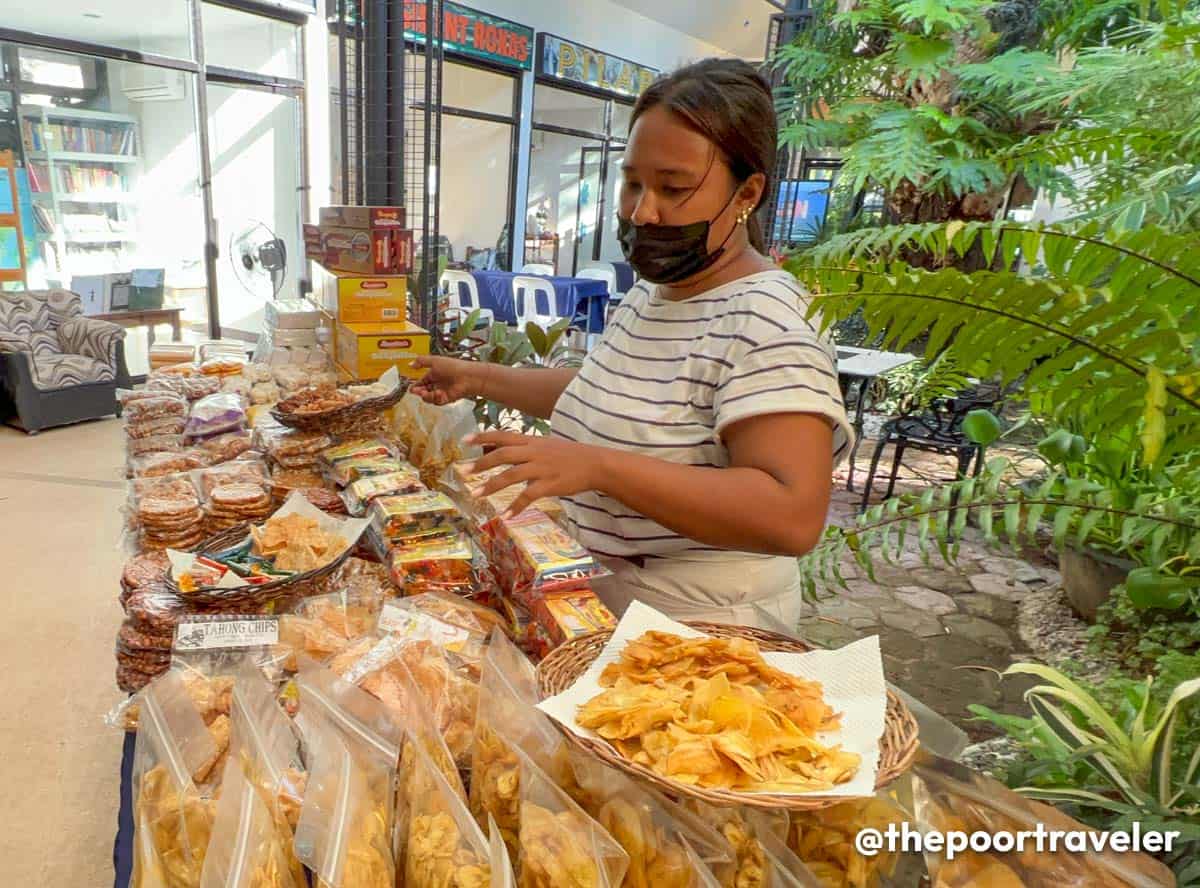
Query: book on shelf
45, 222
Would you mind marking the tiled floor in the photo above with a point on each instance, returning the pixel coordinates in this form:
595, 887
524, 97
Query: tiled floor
60, 493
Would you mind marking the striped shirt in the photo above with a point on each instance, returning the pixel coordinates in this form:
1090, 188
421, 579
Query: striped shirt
667, 378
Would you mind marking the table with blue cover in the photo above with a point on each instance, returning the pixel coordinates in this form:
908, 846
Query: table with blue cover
123, 843
584, 300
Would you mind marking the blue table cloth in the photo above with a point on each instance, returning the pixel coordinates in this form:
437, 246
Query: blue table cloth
123, 843
625, 276
582, 299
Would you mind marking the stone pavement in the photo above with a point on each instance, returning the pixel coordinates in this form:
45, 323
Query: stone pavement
945, 631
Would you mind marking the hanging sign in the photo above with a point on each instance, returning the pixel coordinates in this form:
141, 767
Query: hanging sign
589, 67
474, 33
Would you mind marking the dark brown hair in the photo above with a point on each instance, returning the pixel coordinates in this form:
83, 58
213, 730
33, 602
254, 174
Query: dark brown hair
729, 103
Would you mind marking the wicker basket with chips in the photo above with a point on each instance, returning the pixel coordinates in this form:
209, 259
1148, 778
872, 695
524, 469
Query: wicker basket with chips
343, 416
566, 663
252, 596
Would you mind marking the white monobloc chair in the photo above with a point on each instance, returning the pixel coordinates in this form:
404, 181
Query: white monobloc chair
525, 290
453, 283
608, 274
538, 268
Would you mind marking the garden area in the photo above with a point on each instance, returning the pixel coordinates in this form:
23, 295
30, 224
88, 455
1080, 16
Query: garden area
1018, 203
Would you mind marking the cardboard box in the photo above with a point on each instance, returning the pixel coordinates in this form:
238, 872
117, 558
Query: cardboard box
365, 351
356, 251
362, 217
369, 300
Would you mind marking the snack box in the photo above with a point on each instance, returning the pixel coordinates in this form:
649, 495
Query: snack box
362, 217
366, 351
445, 564
356, 468
353, 449
291, 314
463, 486
356, 251
361, 493
559, 617
424, 514
368, 300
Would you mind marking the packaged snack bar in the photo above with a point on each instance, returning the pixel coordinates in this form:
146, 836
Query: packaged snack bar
445, 846
424, 514
566, 615
824, 840
949, 797
356, 448
536, 556
172, 820
344, 834
559, 843
445, 564
359, 494
247, 849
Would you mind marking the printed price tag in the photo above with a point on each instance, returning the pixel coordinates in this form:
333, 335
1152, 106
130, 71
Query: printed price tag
212, 634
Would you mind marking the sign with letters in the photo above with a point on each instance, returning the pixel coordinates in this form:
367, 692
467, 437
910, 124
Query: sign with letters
474, 33
581, 64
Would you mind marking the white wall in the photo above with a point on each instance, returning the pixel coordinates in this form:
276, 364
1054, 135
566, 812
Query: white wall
608, 27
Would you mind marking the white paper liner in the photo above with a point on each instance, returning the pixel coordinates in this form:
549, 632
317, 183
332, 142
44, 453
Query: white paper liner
349, 529
851, 677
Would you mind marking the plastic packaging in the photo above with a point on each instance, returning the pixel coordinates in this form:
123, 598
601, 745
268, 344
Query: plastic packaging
325, 625
445, 846
152, 428
166, 511
559, 843
190, 387
442, 564
155, 465
142, 407
746, 860
359, 494
159, 443
534, 556
409, 517
499, 858
656, 841
559, 617
252, 470
224, 447
222, 412
172, 820
824, 840
949, 797
345, 830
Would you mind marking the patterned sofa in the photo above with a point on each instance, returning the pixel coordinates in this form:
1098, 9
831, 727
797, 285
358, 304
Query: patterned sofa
57, 366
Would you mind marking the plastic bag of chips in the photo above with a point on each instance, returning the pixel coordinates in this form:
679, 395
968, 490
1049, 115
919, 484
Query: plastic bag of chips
445, 846
951, 798
743, 830
345, 829
656, 841
173, 755
324, 626
559, 844
499, 859
824, 840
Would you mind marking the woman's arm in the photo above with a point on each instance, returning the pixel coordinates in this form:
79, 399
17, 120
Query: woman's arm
532, 390
772, 499
528, 389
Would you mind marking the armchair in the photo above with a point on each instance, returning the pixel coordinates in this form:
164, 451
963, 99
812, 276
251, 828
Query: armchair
57, 366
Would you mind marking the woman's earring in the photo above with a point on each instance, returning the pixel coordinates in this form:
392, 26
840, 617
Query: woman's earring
744, 216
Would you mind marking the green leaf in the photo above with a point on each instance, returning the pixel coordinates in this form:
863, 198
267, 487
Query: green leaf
537, 339
921, 56
1012, 522
1147, 589
1075, 737
982, 427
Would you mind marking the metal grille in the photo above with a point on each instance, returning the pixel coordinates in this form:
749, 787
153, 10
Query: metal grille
789, 165
386, 107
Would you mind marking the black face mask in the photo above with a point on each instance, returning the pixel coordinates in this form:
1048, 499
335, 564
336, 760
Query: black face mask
667, 254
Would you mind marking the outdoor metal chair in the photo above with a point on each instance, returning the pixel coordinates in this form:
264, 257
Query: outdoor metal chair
937, 429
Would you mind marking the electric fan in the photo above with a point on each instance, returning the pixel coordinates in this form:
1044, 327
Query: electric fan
259, 259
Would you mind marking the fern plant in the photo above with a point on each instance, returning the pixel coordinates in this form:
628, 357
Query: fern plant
1101, 340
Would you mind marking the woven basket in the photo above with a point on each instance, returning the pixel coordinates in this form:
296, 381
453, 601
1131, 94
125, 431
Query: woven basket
563, 666
340, 419
252, 597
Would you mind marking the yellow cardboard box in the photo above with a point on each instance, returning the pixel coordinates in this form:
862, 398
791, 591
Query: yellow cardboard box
368, 300
365, 351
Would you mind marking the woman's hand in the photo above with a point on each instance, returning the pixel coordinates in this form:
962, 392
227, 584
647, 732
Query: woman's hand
548, 466
447, 381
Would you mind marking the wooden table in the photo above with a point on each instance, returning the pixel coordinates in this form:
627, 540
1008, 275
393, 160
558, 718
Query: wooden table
146, 317
862, 365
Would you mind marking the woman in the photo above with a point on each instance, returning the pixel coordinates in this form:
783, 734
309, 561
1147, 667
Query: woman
693, 451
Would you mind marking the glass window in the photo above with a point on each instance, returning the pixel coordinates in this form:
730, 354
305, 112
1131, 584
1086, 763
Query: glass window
114, 176
162, 27
570, 110
622, 114
477, 90
474, 181
563, 188
247, 42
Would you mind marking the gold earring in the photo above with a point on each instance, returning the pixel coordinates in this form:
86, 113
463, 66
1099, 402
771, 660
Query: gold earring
744, 216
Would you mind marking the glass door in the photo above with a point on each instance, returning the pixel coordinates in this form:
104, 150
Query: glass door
588, 206
609, 247
257, 200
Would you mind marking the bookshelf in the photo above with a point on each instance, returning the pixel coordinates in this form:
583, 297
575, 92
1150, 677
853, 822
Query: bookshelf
80, 163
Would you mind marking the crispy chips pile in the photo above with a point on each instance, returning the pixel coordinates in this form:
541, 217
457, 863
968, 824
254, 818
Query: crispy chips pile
824, 840
438, 856
712, 712
296, 542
